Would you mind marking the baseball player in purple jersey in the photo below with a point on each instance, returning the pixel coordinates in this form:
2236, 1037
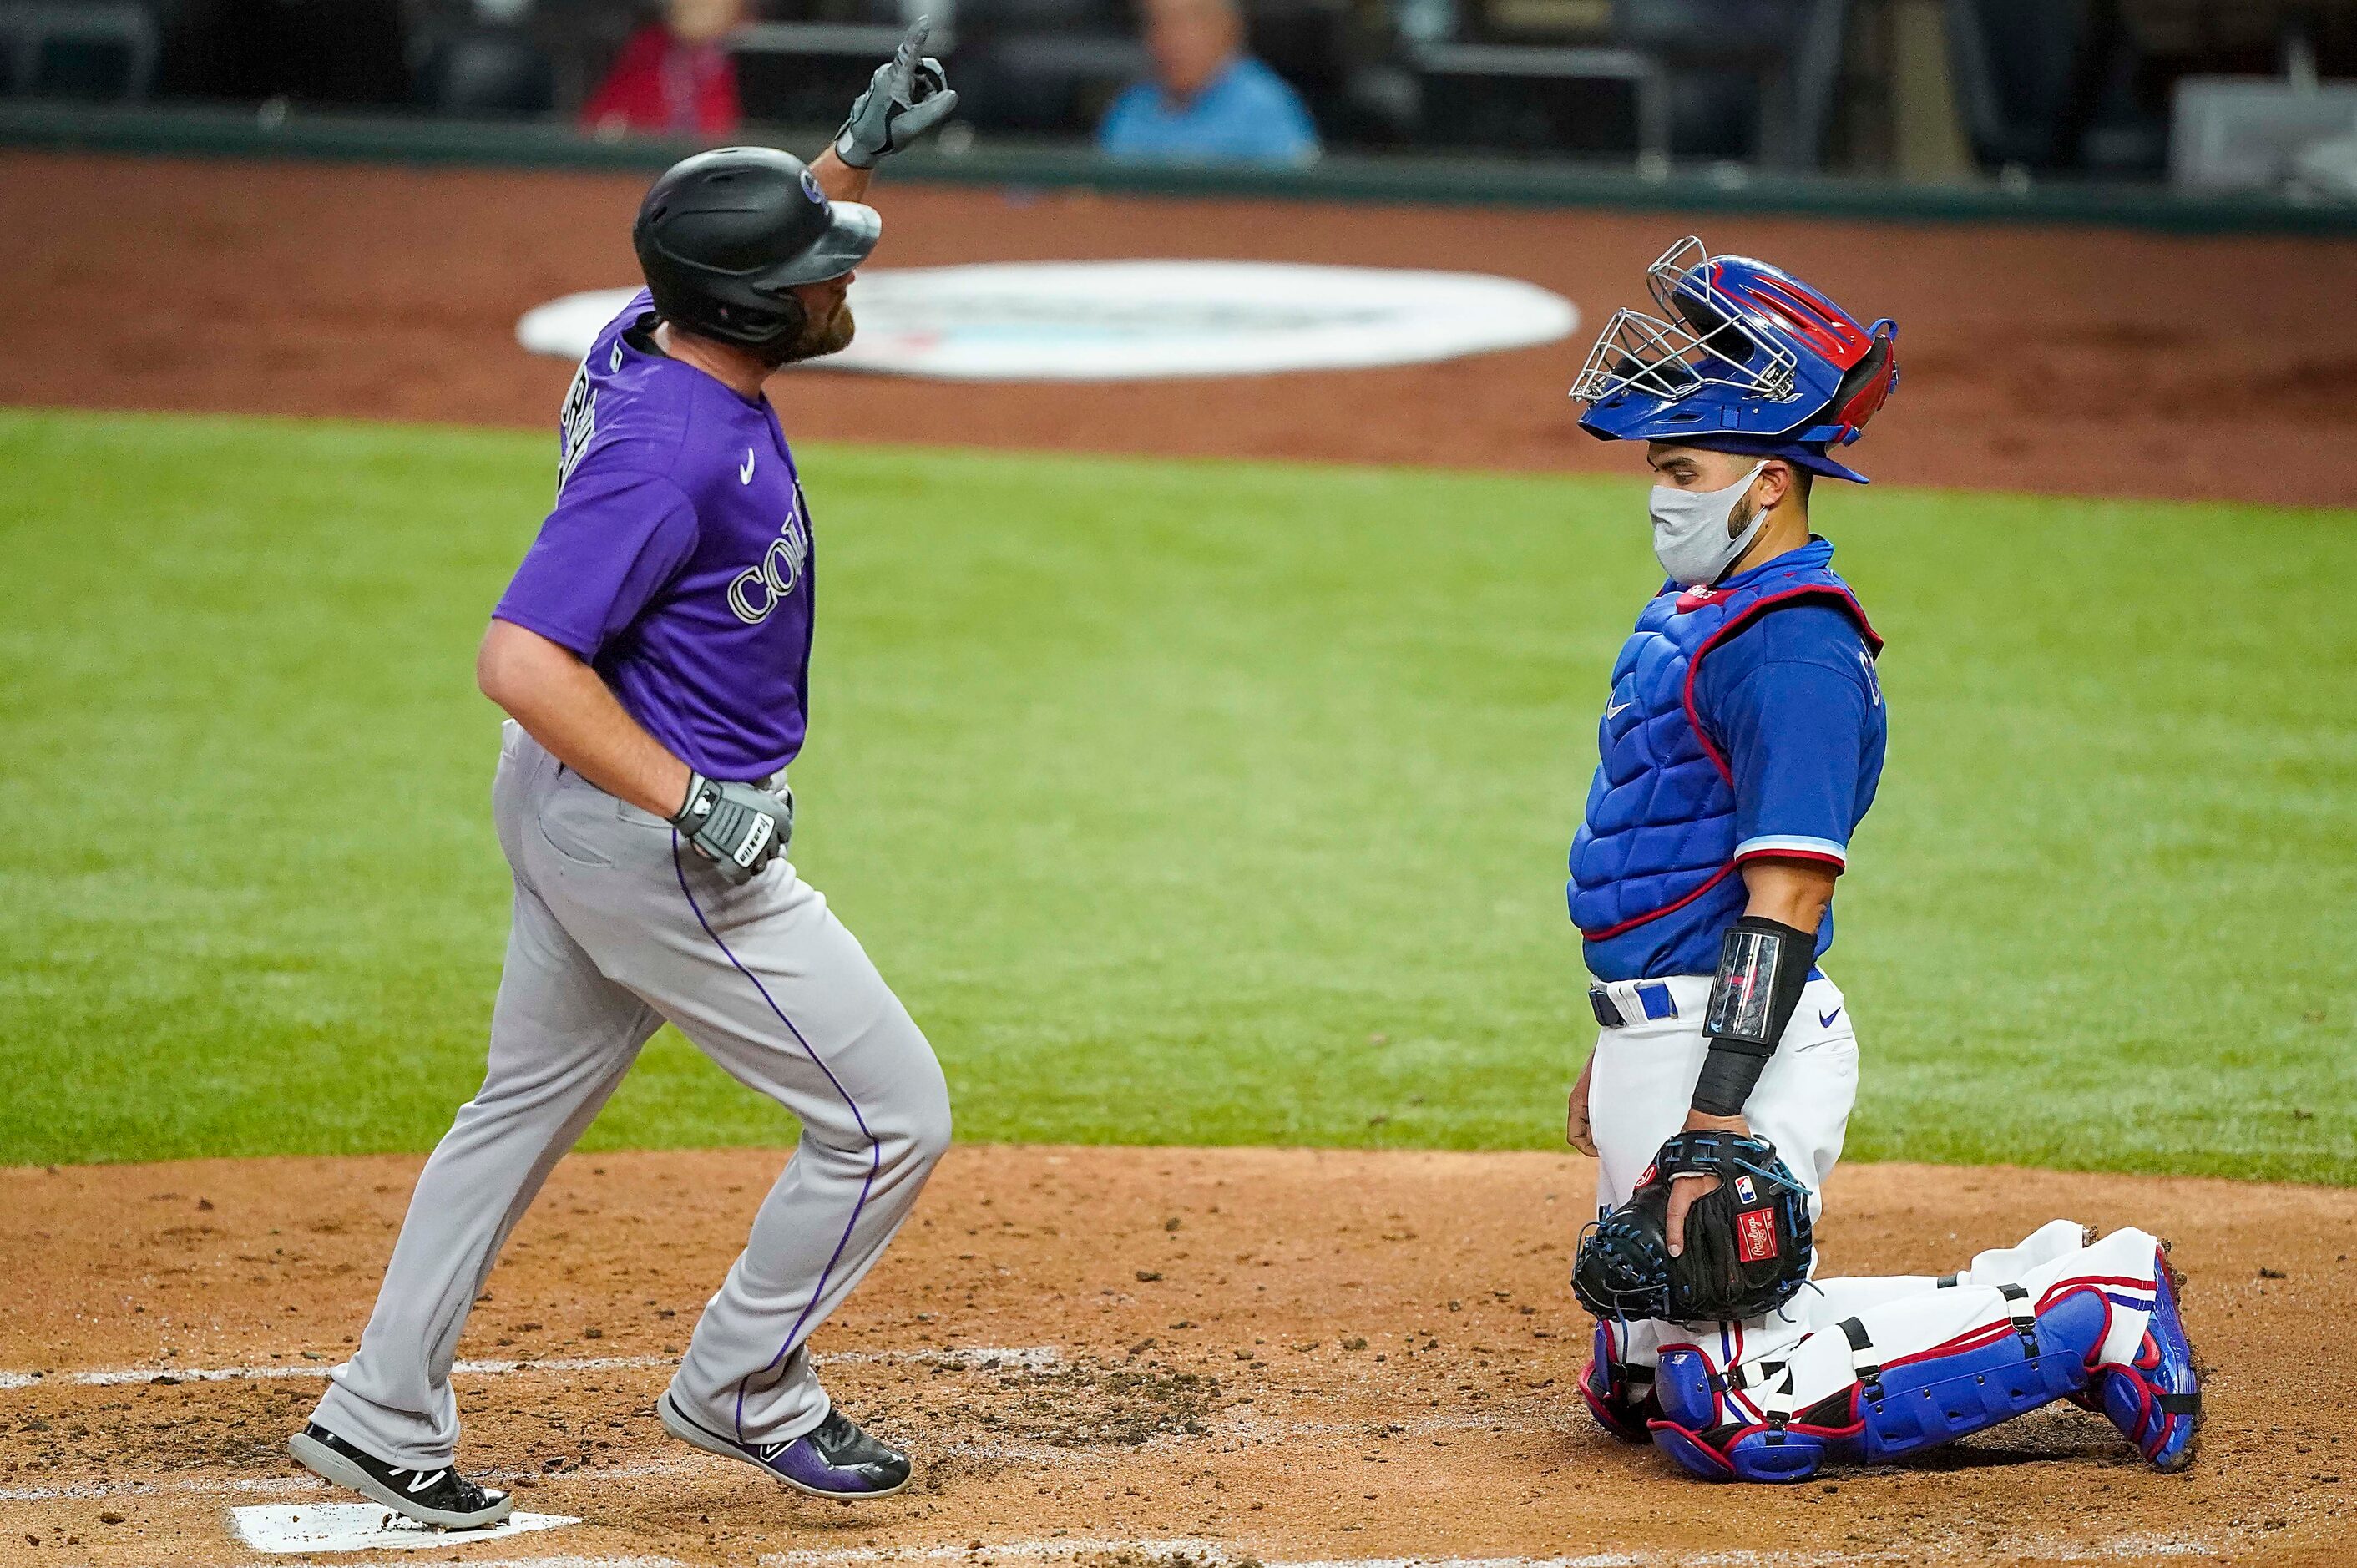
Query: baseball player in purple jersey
653, 654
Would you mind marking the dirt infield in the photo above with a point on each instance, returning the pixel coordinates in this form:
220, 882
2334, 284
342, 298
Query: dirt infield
2086, 361
1285, 1356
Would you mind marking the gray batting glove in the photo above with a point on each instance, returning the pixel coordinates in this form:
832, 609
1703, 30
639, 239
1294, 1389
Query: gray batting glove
738, 827
909, 95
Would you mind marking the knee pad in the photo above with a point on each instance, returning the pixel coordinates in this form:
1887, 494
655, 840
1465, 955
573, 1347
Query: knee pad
1613, 1391
1936, 1399
1687, 1389
1691, 1431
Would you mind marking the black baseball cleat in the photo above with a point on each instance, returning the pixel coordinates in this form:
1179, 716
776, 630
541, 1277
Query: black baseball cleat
836, 1459
442, 1499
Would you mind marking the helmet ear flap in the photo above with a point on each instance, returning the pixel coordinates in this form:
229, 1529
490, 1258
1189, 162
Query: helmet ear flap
1867, 385
781, 316
792, 321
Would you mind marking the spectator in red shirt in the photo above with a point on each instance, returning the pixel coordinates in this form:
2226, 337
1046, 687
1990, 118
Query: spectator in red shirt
673, 78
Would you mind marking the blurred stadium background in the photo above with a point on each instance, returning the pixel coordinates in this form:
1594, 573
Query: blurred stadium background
2204, 97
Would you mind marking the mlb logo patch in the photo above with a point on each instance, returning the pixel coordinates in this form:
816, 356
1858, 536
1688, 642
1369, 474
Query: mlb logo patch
1745, 1191
1755, 1236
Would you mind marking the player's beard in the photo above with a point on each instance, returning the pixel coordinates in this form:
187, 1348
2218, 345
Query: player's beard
1741, 518
817, 339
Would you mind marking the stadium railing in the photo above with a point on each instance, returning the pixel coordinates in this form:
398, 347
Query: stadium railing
1400, 178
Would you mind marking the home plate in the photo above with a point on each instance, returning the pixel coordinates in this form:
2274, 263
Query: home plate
365, 1527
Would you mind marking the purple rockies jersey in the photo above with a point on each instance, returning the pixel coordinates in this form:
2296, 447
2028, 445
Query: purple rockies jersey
677, 560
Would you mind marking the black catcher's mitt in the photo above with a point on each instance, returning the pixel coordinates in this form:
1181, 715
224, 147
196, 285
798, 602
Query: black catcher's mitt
1748, 1241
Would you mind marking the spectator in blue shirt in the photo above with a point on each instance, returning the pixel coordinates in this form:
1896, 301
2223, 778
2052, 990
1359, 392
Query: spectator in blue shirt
1209, 101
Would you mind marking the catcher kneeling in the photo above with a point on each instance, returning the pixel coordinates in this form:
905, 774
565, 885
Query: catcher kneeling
1741, 745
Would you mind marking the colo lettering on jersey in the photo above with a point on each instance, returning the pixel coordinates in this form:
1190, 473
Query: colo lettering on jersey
761, 589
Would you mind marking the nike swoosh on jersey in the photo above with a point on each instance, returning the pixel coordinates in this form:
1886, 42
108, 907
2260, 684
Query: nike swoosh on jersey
1623, 708
1825, 1020
745, 474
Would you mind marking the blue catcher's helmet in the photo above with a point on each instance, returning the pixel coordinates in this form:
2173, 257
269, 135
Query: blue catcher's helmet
1744, 356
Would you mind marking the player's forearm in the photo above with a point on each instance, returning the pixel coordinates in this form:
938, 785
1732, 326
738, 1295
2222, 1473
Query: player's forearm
1789, 892
565, 706
839, 179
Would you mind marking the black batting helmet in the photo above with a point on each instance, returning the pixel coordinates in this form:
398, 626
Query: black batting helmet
722, 235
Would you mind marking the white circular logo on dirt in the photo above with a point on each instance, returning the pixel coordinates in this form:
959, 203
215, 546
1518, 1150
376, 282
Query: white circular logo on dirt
1108, 321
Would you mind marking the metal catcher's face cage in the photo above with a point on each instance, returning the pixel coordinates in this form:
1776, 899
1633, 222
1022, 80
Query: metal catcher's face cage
1701, 339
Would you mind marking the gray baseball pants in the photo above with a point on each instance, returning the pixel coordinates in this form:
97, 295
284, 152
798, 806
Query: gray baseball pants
620, 927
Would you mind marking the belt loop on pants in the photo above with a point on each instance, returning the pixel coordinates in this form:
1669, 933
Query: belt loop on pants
1621, 1003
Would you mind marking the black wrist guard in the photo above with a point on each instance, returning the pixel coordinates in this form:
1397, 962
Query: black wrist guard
1763, 965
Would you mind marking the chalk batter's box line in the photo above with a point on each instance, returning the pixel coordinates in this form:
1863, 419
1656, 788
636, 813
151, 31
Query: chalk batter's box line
1030, 1358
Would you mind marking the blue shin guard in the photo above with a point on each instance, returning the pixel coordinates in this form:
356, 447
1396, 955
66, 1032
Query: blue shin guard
1937, 1399
1892, 1411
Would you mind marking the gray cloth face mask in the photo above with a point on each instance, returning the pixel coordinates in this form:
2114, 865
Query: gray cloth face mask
1690, 529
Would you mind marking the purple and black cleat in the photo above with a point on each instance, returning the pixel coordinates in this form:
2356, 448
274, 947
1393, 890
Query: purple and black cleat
2156, 1399
835, 1459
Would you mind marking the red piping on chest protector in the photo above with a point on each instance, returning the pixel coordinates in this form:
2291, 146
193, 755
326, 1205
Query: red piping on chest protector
1750, 613
1634, 921
1736, 623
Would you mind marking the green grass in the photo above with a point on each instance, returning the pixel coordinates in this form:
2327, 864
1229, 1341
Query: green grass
1184, 801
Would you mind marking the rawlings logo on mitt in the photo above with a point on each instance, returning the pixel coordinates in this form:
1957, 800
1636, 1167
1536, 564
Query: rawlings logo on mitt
1748, 1240
1755, 1234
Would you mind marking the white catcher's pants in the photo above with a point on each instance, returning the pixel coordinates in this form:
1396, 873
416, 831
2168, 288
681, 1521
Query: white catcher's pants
1642, 1084
617, 929
1639, 1093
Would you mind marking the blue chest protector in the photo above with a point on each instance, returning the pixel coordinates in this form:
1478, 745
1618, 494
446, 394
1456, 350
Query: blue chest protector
1660, 831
